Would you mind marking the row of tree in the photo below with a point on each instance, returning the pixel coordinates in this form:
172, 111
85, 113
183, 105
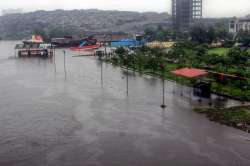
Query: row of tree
159, 34
187, 54
199, 33
202, 34
235, 61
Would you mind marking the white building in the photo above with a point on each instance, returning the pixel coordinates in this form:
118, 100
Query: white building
235, 25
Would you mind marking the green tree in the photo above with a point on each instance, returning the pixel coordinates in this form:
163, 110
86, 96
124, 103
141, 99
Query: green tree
122, 54
211, 34
162, 34
244, 37
198, 34
140, 60
159, 34
223, 34
150, 34
238, 56
200, 56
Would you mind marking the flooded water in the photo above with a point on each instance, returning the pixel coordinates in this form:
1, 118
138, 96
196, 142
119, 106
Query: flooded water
87, 118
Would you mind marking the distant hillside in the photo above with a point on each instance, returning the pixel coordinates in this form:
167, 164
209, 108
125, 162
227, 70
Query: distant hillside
18, 26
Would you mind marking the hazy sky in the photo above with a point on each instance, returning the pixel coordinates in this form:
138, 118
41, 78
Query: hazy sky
212, 8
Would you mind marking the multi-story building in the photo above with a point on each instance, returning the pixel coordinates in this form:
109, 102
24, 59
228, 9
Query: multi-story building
185, 13
236, 25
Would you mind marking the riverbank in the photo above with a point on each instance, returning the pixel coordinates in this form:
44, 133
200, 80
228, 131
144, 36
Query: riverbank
237, 117
226, 78
225, 91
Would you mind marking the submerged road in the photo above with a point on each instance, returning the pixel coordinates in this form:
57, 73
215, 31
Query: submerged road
49, 120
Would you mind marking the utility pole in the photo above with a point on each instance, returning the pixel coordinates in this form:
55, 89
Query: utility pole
163, 88
127, 72
64, 57
105, 46
102, 73
54, 56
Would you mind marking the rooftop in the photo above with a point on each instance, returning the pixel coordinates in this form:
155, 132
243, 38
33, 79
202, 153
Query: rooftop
190, 72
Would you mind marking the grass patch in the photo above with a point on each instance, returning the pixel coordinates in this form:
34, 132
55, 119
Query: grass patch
238, 117
219, 51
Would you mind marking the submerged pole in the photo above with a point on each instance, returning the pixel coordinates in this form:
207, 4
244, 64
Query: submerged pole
163, 93
105, 48
163, 86
64, 57
127, 76
54, 57
102, 73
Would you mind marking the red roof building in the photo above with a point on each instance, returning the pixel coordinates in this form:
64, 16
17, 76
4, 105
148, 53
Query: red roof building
190, 72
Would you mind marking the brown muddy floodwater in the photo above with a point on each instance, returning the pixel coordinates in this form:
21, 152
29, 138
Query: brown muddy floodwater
47, 120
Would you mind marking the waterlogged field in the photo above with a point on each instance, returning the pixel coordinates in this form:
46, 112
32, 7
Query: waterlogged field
85, 117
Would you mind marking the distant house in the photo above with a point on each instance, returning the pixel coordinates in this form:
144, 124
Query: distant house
126, 43
157, 44
120, 39
217, 44
235, 25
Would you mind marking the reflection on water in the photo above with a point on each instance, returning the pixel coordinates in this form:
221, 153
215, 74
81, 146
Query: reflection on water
47, 120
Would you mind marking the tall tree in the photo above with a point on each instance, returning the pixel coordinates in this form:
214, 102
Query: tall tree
211, 34
238, 56
198, 33
244, 37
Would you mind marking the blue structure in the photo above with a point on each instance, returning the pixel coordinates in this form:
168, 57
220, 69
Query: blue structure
127, 43
83, 43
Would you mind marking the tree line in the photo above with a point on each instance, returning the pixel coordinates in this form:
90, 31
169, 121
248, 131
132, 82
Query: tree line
200, 34
188, 54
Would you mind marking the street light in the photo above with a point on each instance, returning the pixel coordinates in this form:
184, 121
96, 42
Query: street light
163, 87
54, 57
127, 71
64, 57
102, 72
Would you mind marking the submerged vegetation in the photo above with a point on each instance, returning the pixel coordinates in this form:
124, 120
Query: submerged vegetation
238, 117
234, 61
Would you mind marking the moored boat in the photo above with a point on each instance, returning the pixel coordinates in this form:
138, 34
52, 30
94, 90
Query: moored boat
34, 47
87, 44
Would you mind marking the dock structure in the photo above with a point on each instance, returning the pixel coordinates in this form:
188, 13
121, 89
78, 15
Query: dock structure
34, 47
185, 13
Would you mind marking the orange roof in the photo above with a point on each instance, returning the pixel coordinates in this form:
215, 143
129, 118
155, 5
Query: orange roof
190, 72
35, 39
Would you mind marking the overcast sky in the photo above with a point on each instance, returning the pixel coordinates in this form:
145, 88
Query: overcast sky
212, 8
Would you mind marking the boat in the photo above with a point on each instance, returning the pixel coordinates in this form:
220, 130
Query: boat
34, 47
83, 48
66, 41
87, 44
